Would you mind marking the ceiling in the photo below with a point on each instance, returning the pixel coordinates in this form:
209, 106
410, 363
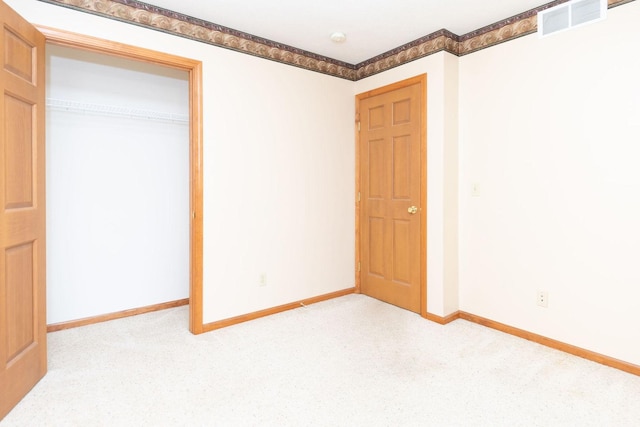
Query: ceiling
372, 27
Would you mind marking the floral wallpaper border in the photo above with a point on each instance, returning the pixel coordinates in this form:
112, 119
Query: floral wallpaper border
491, 35
152, 17
148, 16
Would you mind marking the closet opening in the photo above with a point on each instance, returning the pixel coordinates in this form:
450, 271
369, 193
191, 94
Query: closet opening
123, 182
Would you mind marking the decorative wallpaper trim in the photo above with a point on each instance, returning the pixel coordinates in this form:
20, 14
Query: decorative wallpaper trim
414, 44
152, 17
508, 29
155, 18
613, 3
442, 40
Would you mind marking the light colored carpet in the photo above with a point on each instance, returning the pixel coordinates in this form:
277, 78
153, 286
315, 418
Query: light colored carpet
352, 361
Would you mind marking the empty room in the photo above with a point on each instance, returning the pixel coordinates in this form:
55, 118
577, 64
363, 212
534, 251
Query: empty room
356, 213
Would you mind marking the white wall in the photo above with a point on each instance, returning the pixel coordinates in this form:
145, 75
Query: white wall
278, 169
550, 129
117, 187
441, 70
279, 187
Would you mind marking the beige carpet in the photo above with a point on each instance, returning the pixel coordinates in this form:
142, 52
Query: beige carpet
352, 361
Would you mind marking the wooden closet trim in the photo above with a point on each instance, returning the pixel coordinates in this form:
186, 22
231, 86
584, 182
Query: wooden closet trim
194, 69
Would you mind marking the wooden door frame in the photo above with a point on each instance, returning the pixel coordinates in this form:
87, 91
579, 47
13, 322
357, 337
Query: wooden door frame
422, 80
194, 69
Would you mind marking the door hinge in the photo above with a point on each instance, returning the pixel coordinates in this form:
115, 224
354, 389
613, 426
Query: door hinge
358, 126
359, 266
193, 214
358, 198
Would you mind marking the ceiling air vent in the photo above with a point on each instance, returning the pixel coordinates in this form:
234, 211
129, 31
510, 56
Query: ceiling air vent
569, 15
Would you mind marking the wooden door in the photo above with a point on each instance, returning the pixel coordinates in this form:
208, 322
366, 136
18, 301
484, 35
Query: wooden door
23, 355
391, 215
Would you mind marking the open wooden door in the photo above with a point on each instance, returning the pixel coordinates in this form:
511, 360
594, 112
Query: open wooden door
23, 353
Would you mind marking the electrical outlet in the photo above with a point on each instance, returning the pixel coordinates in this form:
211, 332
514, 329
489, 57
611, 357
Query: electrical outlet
542, 299
475, 189
263, 279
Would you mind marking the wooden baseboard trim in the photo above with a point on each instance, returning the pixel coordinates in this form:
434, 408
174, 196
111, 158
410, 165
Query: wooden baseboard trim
443, 320
117, 315
274, 310
558, 345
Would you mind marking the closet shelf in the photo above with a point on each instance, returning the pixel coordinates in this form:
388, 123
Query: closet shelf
115, 111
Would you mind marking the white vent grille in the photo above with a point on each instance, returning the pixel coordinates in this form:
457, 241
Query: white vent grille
569, 15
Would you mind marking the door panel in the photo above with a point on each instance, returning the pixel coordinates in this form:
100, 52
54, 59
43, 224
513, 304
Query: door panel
390, 147
19, 306
19, 54
23, 358
376, 169
376, 247
402, 112
401, 159
402, 257
18, 117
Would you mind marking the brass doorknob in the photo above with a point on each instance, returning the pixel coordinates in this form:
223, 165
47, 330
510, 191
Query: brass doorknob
412, 210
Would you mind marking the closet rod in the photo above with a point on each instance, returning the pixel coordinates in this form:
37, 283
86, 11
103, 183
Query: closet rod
115, 111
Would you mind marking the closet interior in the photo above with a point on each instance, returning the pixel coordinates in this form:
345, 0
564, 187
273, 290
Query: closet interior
117, 159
